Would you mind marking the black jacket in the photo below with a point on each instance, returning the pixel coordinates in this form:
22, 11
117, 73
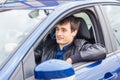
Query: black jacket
79, 50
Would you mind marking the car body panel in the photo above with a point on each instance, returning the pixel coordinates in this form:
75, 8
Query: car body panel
20, 4
100, 67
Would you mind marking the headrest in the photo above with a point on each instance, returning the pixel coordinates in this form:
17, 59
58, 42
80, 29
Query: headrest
83, 31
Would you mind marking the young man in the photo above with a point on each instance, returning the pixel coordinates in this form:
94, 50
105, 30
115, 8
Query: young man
66, 47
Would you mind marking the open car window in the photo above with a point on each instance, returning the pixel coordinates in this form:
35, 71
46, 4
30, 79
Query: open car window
87, 34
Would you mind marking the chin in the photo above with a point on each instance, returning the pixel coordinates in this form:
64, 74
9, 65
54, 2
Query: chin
59, 42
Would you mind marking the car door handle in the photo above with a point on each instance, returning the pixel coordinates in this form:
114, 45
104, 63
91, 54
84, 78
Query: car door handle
109, 76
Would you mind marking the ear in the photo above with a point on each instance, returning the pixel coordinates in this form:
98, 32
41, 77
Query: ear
74, 33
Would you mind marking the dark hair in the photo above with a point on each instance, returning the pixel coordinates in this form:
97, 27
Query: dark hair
74, 22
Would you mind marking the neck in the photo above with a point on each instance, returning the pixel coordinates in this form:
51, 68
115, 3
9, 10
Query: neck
62, 46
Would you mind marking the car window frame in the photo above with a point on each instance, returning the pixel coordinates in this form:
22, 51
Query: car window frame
109, 39
74, 10
110, 27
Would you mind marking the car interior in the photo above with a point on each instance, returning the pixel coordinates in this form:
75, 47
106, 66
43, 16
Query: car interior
83, 33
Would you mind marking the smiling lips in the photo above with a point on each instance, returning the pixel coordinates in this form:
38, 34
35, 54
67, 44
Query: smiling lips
59, 38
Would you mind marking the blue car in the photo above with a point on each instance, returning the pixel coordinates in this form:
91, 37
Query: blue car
25, 24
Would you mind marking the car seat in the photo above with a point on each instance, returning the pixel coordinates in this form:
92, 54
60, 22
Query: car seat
83, 31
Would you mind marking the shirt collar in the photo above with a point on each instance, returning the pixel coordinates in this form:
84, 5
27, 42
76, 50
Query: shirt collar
64, 48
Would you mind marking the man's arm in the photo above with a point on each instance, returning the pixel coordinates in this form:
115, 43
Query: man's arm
69, 60
89, 52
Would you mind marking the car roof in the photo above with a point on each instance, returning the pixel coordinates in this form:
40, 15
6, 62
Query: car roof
42, 4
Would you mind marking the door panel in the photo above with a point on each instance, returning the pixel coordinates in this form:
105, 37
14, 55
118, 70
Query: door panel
99, 70
18, 73
29, 64
118, 55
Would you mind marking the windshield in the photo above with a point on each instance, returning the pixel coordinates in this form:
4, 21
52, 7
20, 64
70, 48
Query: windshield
15, 27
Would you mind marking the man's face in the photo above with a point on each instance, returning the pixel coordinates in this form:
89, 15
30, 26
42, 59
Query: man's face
64, 35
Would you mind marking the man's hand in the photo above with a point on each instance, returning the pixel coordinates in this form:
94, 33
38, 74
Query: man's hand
69, 60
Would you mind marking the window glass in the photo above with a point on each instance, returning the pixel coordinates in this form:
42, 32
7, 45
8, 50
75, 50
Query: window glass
113, 17
15, 27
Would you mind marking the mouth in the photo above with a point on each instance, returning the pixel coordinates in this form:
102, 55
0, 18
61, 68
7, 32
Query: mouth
59, 38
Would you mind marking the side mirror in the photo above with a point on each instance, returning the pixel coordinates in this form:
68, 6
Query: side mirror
54, 69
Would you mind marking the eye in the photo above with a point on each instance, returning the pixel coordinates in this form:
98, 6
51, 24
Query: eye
57, 29
63, 30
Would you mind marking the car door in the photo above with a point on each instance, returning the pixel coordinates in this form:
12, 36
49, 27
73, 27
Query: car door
114, 26
107, 69
102, 70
